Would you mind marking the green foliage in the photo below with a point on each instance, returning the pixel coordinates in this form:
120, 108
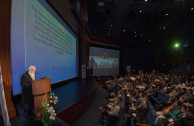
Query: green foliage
48, 111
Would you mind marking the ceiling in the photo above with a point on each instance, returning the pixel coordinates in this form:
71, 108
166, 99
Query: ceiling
139, 21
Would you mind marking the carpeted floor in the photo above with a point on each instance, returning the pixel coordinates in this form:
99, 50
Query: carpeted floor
89, 118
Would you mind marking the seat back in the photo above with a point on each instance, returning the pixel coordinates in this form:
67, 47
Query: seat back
163, 96
151, 116
150, 106
120, 112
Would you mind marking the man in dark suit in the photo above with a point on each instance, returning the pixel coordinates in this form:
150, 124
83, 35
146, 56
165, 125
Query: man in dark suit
27, 97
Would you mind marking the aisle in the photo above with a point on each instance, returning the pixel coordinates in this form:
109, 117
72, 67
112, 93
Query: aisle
89, 118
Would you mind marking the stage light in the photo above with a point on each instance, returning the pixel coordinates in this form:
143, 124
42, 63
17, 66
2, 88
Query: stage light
176, 45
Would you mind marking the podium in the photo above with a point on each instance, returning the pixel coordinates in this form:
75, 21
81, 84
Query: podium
39, 88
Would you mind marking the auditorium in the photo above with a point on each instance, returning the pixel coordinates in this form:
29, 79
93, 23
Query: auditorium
96, 62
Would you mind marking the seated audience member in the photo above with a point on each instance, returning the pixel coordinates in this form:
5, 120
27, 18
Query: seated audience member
114, 110
187, 96
138, 113
187, 120
161, 90
175, 92
102, 113
171, 108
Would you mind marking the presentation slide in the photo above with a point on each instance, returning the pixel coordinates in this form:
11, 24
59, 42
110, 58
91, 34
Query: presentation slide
41, 38
103, 62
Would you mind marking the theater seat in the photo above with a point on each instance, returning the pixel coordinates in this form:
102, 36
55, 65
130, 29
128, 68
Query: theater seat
151, 116
163, 96
150, 106
120, 112
141, 124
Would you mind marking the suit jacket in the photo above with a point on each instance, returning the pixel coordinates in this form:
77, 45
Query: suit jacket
27, 97
26, 80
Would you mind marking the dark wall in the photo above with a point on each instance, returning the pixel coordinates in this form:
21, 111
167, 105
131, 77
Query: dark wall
184, 67
137, 58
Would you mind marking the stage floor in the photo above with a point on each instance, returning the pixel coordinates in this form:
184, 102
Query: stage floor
73, 91
68, 93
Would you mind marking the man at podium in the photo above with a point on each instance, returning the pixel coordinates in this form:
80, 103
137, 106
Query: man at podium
27, 97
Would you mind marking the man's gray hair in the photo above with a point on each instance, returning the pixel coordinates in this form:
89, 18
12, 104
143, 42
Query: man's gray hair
31, 67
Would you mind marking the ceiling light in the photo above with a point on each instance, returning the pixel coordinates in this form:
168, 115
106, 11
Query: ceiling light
140, 11
166, 14
192, 9
185, 45
100, 4
146, 0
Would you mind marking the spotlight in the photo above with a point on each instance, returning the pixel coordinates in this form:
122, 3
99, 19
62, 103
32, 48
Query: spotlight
176, 45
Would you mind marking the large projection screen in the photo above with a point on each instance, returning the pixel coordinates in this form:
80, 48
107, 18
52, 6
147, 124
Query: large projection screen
41, 38
103, 61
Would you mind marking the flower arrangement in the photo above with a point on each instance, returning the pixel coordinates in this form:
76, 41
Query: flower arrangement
49, 113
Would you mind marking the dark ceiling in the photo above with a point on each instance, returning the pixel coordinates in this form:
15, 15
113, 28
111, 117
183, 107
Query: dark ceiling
138, 21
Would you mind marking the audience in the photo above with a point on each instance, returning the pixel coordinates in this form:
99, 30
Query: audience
143, 96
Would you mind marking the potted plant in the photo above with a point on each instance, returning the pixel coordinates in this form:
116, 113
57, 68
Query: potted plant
49, 113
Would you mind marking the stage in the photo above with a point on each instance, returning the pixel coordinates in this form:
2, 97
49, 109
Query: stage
73, 91
70, 94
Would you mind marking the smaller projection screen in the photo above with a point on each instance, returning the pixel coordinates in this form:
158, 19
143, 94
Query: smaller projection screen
103, 61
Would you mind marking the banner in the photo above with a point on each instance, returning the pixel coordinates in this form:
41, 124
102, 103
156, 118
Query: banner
3, 102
